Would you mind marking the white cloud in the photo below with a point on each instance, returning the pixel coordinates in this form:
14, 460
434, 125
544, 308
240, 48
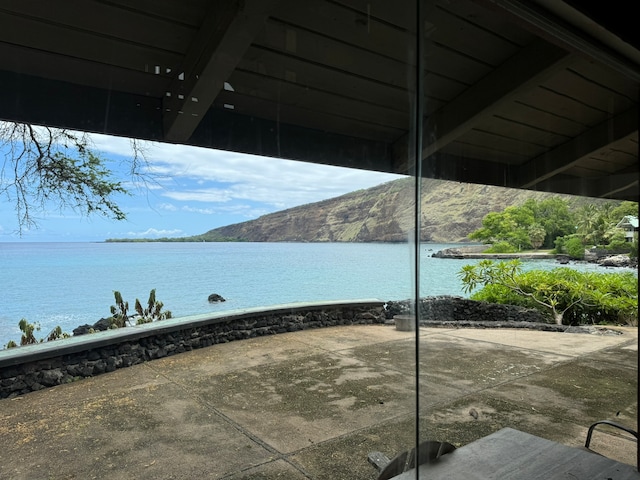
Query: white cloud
169, 207
280, 183
202, 211
202, 195
152, 232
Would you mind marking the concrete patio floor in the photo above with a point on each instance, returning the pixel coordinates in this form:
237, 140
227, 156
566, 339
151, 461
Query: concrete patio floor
312, 404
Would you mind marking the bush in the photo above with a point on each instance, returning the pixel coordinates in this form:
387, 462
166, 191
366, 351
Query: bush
28, 334
574, 248
618, 241
501, 247
120, 311
567, 295
153, 312
571, 245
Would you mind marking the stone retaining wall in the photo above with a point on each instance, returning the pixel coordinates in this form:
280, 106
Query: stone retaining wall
34, 367
445, 310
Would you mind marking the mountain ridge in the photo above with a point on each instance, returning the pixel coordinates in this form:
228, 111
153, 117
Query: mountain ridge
383, 213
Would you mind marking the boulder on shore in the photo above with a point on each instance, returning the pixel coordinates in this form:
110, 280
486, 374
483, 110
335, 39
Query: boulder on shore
99, 326
215, 298
615, 261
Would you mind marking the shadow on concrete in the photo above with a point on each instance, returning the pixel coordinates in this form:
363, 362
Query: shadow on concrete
312, 404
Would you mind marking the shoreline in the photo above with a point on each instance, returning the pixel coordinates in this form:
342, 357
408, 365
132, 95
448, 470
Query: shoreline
497, 256
477, 252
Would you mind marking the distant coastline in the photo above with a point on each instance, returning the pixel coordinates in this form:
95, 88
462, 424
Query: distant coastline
196, 239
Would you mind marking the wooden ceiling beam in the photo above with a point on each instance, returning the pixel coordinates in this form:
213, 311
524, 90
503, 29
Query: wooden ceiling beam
225, 34
565, 156
228, 130
621, 185
573, 30
617, 184
468, 170
523, 71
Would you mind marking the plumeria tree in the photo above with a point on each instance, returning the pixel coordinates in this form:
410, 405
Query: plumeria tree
561, 292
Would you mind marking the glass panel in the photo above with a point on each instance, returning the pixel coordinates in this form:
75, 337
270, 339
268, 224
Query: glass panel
318, 155
290, 206
512, 99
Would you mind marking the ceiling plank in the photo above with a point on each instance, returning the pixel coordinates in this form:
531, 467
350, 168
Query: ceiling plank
85, 45
523, 71
29, 99
228, 130
563, 157
544, 23
318, 100
37, 63
297, 115
226, 33
444, 166
106, 20
617, 184
622, 185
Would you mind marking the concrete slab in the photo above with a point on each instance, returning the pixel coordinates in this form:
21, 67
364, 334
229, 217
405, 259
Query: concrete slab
311, 405
345, 457
471, 365
580, 391
155, 432
358, 335
241, 355
308, 400
623, 355
573, 344
277, 470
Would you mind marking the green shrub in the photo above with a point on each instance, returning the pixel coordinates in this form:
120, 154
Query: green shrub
120, 311
618, 241
501, 247
27, 330
153, 312
574, 248
566, 295
28, 334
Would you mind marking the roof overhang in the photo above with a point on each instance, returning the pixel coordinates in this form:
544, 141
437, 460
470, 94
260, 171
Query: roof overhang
538, 95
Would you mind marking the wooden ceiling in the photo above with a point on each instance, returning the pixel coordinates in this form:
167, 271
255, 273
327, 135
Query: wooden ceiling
534, 95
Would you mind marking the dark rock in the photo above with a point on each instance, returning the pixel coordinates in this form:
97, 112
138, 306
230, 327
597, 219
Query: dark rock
50, 378
215, 298
82, 329
99, 326
102, 324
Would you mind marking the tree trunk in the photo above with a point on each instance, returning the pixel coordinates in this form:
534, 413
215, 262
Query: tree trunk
558, 316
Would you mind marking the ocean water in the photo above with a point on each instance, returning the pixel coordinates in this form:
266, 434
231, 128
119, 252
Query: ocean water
69, 284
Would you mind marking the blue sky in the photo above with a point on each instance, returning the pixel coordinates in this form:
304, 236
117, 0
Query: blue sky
194, 190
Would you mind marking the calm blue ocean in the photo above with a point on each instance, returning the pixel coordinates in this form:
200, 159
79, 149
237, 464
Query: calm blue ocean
70, 284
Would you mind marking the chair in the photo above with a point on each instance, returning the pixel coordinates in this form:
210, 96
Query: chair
610, 423
428, 452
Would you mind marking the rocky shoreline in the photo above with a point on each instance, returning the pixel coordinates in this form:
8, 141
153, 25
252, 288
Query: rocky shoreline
603, 258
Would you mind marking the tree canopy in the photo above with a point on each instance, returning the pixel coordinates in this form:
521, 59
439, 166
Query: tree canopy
533, 224
565, 294
536, 224
46, 168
